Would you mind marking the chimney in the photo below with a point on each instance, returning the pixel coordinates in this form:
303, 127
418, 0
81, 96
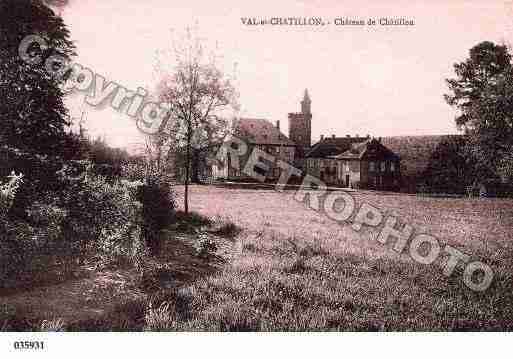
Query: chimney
368, 136
322, 137
357, 135
348, 136
379, 139
278, 124
333, 136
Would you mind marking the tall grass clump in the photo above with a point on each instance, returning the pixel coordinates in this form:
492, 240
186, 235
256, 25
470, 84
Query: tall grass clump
162, 318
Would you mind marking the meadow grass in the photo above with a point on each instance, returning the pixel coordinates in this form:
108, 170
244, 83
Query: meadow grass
257, 260
294, 269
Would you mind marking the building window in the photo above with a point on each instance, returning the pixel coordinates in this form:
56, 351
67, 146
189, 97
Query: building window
371, 166
392, 166
277, 150
383, 164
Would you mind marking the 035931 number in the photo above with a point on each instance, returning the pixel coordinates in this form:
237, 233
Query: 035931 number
28, 345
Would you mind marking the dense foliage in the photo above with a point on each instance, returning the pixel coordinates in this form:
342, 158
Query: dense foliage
65, 200
483, 93
32, 110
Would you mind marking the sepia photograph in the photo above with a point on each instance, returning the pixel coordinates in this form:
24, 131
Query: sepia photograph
315, 173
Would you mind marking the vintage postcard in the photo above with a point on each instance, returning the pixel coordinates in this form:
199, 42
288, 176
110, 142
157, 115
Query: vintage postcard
269, 166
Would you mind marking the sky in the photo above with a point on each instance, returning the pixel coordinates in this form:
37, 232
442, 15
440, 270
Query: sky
377, 80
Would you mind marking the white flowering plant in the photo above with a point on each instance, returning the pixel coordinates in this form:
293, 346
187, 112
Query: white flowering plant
8, 192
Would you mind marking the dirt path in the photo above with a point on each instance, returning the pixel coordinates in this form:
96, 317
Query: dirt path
102, 292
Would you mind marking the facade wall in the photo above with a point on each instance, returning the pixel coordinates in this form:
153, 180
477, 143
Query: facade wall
351, 168
362, 173
282, 153
383, 174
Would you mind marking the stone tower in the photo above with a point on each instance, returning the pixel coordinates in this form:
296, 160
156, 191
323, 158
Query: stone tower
300, 124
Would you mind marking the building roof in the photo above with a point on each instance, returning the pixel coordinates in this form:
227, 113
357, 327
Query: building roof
333, 146
415, 151
366, 150
261, 131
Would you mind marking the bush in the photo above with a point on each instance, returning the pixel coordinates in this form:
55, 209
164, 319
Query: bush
87, 218
40, 175
226, 228
12, 235
204, 245
102, 216
158, 212
191, 221
82, 216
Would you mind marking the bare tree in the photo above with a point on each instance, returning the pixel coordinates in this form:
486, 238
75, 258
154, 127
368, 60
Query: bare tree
200, 95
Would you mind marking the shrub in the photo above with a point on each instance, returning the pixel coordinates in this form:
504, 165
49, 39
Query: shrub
191, 221
133, 171
40, 175
12, 235
204, 245
102, 216
82, 216
227, 229
158, 212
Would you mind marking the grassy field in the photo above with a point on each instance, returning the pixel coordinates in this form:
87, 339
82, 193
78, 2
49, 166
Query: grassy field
259, 260
293, 269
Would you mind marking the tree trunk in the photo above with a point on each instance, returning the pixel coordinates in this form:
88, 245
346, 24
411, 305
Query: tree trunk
195, 166
187, 165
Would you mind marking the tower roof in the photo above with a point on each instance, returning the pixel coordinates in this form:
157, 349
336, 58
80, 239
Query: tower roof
306, 97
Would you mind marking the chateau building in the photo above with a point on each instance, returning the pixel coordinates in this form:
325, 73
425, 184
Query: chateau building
261, 134
338, 161
365, 163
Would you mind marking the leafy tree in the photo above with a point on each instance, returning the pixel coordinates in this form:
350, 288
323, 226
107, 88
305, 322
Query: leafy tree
448, 170
198, 92
32, 111
483, 93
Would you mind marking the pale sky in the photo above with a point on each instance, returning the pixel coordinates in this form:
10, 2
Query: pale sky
378, 80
